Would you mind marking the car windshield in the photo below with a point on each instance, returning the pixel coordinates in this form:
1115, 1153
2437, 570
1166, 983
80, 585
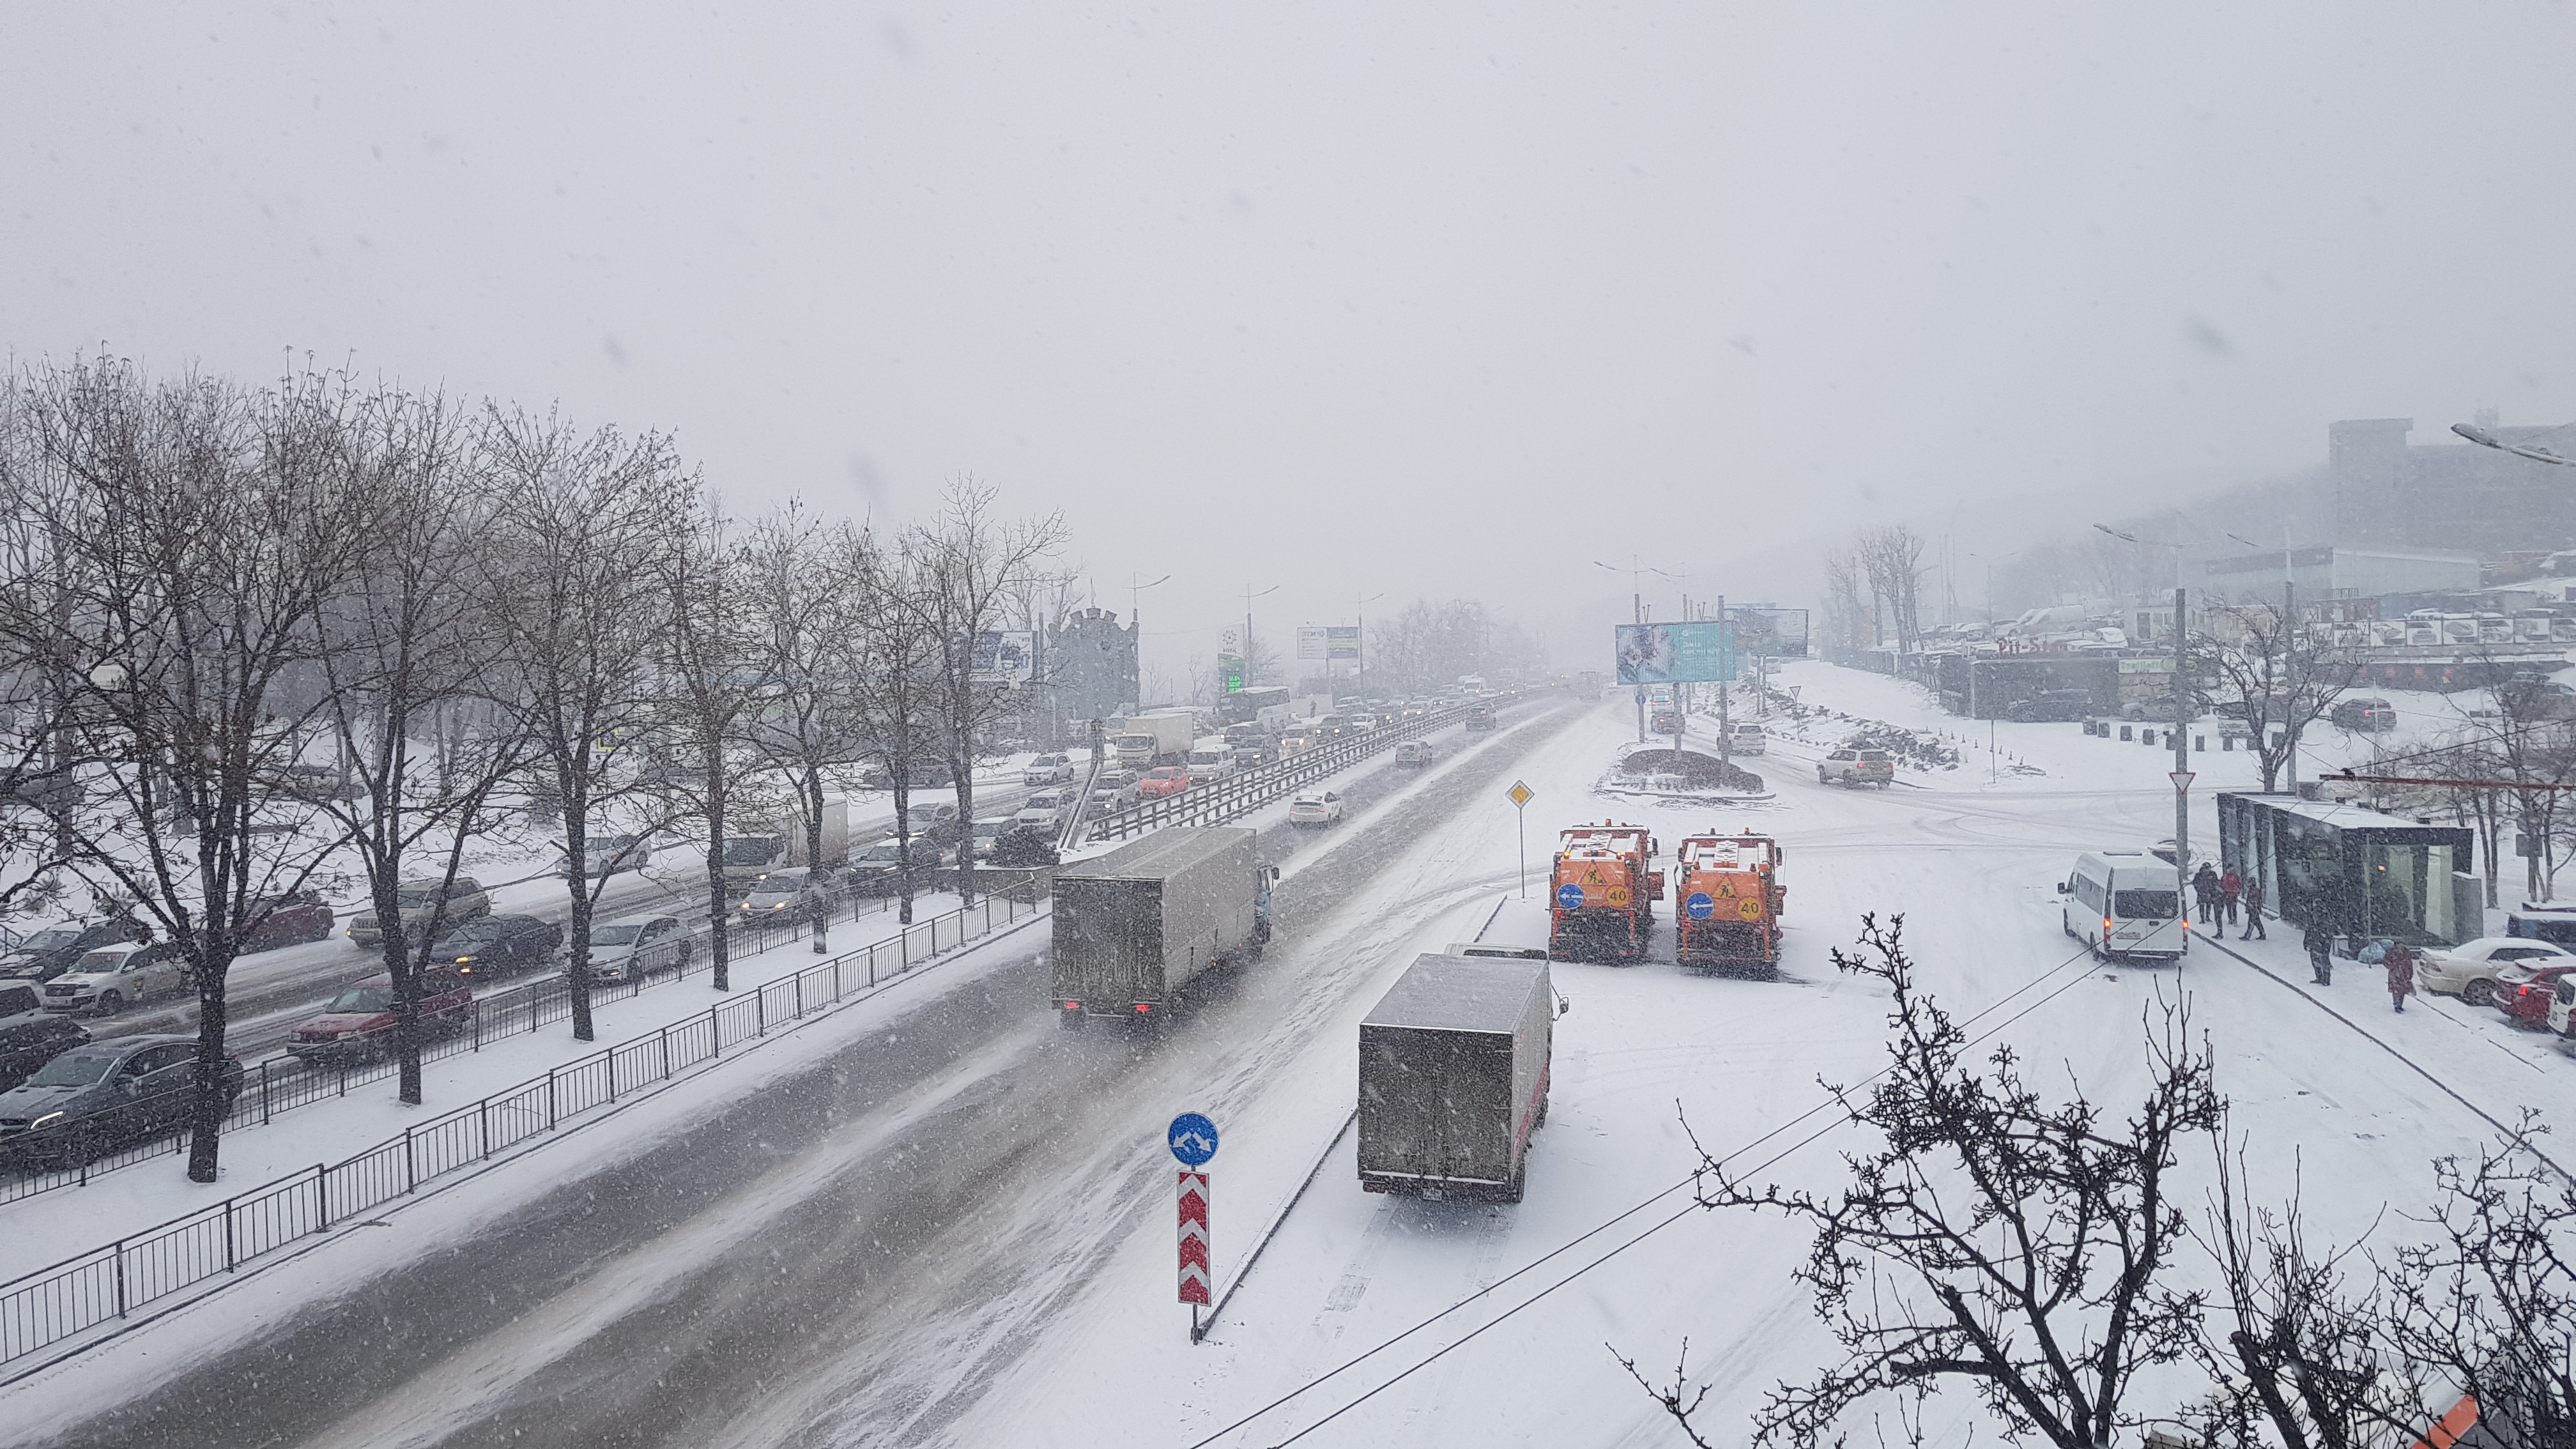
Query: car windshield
614, 935
418, 898
363, 1000
73, 1069
107, 960
784, 880
2143, 904
885, 854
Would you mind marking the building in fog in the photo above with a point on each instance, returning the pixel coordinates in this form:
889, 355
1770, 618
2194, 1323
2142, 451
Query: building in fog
2338, 573
1089, 665
2458, 496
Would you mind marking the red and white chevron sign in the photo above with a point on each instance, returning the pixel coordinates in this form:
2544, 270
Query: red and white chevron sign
1196, 1275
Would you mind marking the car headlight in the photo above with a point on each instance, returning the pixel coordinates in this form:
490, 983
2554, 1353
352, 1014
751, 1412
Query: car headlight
48, 1120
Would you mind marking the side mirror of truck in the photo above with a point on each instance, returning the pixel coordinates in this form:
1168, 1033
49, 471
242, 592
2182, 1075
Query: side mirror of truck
2061, 888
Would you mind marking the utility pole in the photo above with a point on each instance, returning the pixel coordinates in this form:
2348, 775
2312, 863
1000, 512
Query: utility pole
2182, 770
2289, 629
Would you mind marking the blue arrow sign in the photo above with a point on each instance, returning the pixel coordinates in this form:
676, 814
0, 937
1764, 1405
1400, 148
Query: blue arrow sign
1699, 905
1193, 1139
1569, 897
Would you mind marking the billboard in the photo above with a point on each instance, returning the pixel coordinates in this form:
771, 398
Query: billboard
1005, 657
1776, 633
1310, 641
1342, 641
1675, 653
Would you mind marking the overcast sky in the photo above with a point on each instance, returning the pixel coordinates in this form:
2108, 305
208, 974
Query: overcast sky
1414, 299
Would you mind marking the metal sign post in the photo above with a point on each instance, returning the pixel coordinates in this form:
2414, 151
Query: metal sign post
1520, 795
1193, 1140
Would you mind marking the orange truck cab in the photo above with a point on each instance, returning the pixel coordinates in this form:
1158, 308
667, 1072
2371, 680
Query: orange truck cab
1728, 898
1601, 893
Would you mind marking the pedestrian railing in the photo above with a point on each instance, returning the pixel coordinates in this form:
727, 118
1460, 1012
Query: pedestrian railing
80, 1294
283, 1082
1245, 791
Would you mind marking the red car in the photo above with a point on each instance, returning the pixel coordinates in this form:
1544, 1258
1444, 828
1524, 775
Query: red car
2522, 993
360, 1021
303, 916
1169, 780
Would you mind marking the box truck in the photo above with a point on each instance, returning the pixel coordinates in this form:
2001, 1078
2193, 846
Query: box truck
1453, 1077
1134, 927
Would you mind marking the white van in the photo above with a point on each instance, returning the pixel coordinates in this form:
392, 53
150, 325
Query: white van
2125, 905
1210, 760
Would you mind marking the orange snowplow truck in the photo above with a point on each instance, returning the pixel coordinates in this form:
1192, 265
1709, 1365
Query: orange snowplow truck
1727, 902
1602, 893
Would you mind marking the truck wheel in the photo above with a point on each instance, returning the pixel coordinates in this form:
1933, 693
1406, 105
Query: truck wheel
1520, 1179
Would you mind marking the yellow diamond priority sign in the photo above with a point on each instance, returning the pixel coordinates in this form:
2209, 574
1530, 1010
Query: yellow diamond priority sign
1519, 794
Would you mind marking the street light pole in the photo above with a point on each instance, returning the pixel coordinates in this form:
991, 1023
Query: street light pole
1359, 646
1248, 597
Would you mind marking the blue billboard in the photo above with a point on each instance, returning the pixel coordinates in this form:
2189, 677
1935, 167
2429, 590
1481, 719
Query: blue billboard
1675, 653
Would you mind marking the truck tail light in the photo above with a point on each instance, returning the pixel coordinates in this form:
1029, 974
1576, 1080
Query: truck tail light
1071, 1005
1143, 1007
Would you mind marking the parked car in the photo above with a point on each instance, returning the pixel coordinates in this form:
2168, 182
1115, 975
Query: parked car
105, 1095
2523, 992
112, 978
2468, 970
1857, 767
2562, 1011
1746, 739
604, 855
632, 947
1314, 807
359, 1023
1413, 754
1166, 780
2052, 704
50, 952
2364, 716
498, 945
31, 1036
1048, 770
291, 920
418, 900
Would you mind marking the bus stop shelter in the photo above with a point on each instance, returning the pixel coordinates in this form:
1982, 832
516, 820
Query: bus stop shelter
2359, 872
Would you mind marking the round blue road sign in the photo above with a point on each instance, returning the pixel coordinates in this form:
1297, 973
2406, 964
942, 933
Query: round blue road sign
1699, 905
1193, 1139
1569, 897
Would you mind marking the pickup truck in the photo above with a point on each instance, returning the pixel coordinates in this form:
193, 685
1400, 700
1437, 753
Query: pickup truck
1857, 767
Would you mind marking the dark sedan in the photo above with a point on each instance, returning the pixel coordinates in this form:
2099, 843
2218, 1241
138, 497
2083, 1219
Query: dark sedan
103, 1096
50, 952
31, 1036
490, 946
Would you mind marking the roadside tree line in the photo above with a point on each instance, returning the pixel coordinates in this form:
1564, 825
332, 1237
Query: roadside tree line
254, 639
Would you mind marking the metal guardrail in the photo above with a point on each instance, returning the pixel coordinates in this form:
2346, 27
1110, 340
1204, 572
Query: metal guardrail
282, 1082
41, 1309
1248, 790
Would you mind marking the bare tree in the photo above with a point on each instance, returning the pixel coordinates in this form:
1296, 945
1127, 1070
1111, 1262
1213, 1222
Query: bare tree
192, 530
892, 664
2259, 669
972, 563
713, 657
1989, 1238
802, 585
1853, 626
1891, 560
402, 637
578, 524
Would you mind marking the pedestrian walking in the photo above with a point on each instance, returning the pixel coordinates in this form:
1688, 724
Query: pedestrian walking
2230, 886
2400, 962
2319, 941
2205, 886
2254, 910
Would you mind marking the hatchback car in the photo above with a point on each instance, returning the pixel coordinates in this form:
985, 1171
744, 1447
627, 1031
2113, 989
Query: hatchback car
1114, 797
453, 902
1314, 807
1048, 770
1045, 810
50, 952
2468, 971
360, 1021
105, 1095
289, 920
497, 945
31, 1036
633, 947
780, 894
1413, 754
1167, 780
876, 870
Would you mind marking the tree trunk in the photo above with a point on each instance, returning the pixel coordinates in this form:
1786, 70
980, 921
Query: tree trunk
576, 809
965, 830
903, 842
206, 1113
719, 903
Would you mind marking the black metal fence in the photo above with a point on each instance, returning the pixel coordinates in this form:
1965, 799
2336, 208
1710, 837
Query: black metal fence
53, 1304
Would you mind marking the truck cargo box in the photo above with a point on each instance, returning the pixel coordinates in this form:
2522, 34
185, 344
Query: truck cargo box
1453, 1077
1133, 926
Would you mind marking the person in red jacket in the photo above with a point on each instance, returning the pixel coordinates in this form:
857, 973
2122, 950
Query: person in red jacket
2400, 962
2230, 886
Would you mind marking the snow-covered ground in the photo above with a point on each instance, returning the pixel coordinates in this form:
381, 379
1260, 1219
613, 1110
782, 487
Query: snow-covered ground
1030, 1297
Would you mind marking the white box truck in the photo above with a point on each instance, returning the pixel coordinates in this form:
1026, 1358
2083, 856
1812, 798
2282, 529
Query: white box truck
1155, 737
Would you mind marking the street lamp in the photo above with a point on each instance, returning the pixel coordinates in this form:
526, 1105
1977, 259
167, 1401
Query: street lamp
1133, 589
1248, 597
2485, 439
1359, 646
2181, 732
1636, 573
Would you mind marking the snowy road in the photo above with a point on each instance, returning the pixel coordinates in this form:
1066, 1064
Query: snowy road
958, 1230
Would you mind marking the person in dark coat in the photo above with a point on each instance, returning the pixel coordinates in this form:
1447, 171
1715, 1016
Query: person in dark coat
2253, 894
2400, 962
2204, 884
2319, 941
